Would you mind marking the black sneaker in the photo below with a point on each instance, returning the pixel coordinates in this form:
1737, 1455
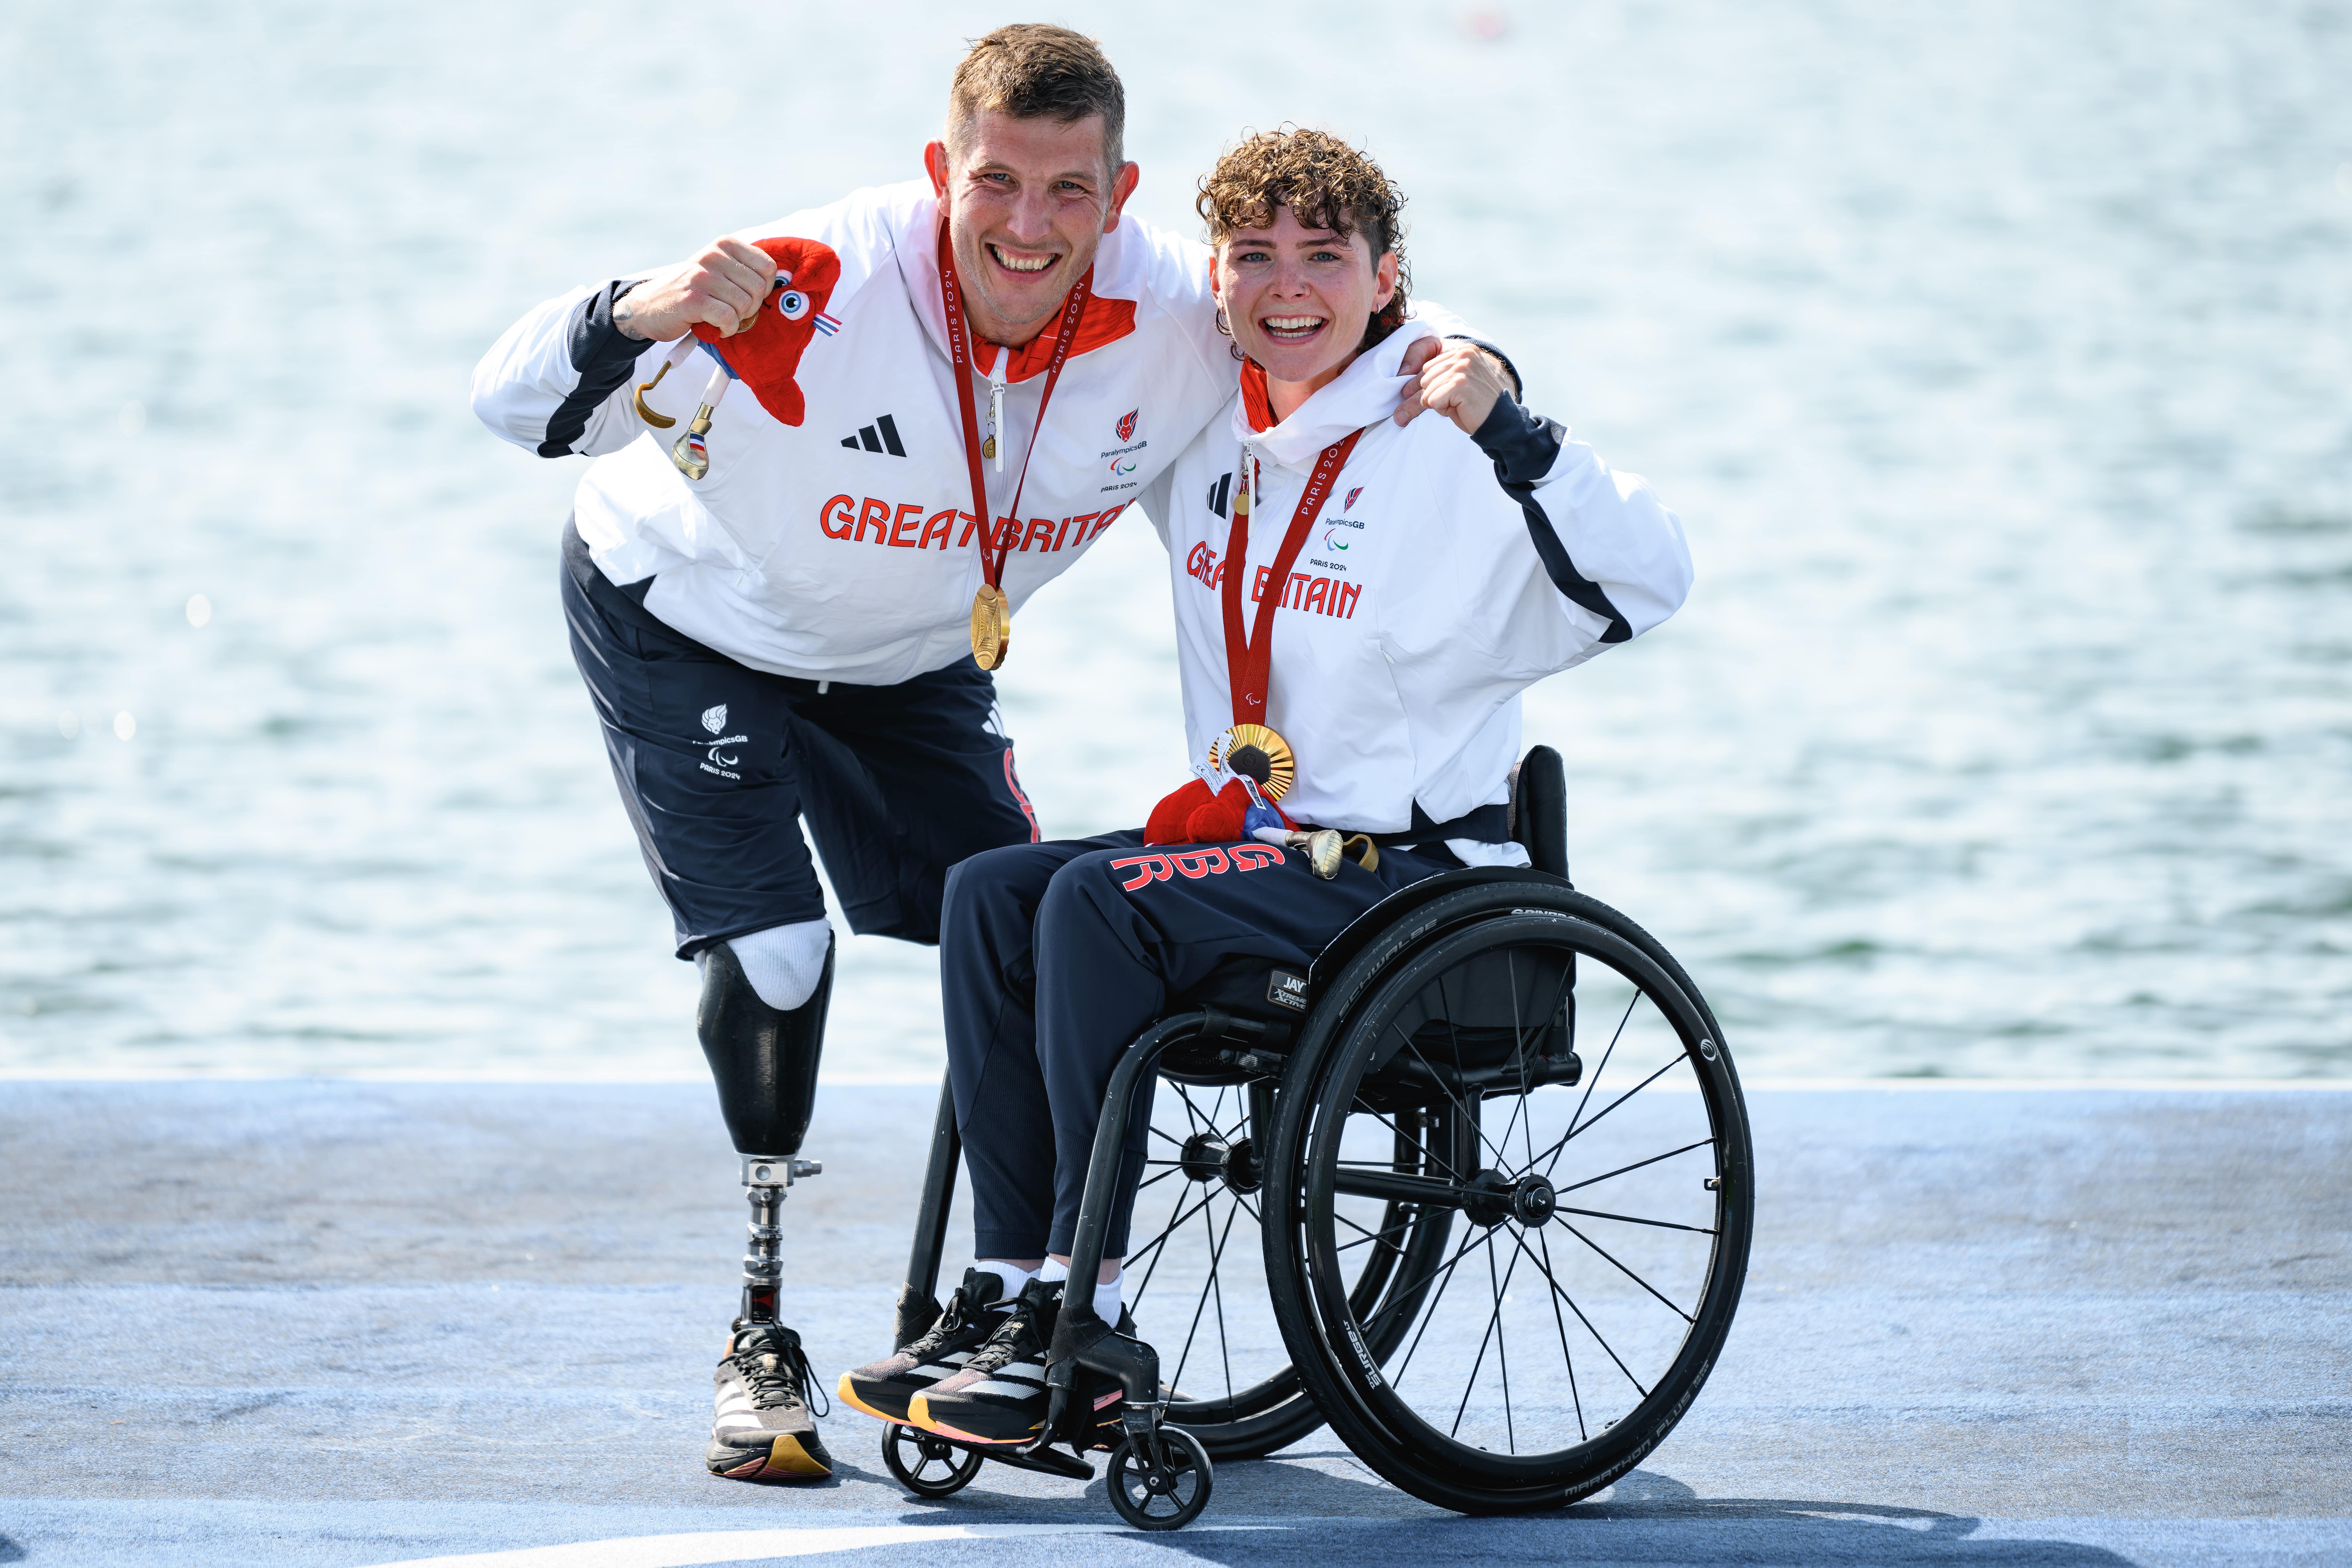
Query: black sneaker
761, 1429
1000, 1395
882, 1388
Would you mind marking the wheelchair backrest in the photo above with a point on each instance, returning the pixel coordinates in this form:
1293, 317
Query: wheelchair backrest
1539, 809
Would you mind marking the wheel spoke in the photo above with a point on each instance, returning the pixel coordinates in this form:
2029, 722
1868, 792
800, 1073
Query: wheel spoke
1527, 1086
1679, 1060
1191, 1112
1225, 1344
1365, 1239
1240, 1129
1503, 1350
1565, 1355
1467, 1243
1428, 1154
1429, 1068
1159, 1243
1405, 1040
1216, 1246
1589, 1329
1494, 1322
1577, 1128
1454, 1044
1468, 1114
1636, 1165
1595, 1083
1484, 1340
1628, 1273
1519, 1054
1397, 1297
1636, 1219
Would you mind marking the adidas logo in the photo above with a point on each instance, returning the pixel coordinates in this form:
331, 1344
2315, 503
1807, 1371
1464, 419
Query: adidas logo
882, 435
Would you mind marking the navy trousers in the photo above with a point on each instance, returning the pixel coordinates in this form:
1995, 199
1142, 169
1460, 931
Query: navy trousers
719, 763
1054, 956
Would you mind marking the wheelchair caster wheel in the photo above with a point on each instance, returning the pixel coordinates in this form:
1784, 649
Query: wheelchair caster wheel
926, 1465
1166, 1489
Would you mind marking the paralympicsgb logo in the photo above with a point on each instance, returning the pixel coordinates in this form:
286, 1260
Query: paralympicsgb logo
1127, 425
717, 758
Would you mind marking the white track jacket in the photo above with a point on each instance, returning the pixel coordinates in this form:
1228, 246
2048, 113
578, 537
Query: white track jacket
1444, 578
844, 547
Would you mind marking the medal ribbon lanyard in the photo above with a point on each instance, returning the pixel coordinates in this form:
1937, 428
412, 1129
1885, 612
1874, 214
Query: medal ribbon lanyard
1249, 660
1074, 308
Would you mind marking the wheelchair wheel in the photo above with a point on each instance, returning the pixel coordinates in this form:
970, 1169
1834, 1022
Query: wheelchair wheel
1164, 1488
1194, 1261
926, 1465
1593, 1205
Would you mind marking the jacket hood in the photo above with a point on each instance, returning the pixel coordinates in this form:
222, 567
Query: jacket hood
1364, 393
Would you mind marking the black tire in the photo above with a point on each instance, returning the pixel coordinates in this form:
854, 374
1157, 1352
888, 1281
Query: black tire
1220, 1346
1442, 985
926, 1465
1175, 1497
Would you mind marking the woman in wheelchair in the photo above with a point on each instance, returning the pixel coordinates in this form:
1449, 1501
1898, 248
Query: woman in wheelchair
1358, 606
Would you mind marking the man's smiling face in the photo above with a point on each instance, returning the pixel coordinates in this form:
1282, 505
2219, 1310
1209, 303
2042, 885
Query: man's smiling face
1028, 202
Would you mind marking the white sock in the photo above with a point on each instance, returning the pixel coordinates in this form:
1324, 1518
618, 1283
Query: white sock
1106, 1293
783, 963
1012, 1274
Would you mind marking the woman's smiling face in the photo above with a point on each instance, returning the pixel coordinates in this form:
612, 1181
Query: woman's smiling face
1298, 299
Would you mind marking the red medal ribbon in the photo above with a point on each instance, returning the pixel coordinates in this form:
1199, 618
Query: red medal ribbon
1249, 662
1074, 309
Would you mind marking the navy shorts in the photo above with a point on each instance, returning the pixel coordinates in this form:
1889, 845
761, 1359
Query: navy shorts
719, 765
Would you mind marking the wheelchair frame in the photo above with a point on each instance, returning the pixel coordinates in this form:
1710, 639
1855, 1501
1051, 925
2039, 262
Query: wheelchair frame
1251, 1050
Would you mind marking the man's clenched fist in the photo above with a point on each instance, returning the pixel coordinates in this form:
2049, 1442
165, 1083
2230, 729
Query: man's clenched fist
722, 287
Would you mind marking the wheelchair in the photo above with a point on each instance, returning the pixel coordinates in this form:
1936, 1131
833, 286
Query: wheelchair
1440, 1193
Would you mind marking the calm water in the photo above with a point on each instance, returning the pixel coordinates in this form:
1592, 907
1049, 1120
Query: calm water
1995, 356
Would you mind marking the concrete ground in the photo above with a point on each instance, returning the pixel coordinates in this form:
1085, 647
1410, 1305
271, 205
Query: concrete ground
354, 1323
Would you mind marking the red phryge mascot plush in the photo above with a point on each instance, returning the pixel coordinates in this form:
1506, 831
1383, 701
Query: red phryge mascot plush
767, 356
1195, 815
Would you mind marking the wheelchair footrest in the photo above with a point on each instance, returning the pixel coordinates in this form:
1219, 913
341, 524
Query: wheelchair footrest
1049, 1461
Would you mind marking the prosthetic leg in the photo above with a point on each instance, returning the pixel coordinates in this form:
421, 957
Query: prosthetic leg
765, 1065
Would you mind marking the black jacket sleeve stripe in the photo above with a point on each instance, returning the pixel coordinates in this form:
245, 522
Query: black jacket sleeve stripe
604, 356
1524, 445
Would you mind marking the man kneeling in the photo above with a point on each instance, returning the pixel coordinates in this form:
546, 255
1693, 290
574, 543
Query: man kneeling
1371, 685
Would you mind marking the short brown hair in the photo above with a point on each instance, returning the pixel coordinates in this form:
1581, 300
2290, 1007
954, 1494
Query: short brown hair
1030, 69
1326, 184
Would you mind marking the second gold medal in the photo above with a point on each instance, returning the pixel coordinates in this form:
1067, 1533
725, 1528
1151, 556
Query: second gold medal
991, 627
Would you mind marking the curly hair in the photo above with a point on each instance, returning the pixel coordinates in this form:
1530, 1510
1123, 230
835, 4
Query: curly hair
1326, 184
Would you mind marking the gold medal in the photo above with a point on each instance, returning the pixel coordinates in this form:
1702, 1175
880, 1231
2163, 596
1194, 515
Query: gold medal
1281, 767
991, 627
991, 612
